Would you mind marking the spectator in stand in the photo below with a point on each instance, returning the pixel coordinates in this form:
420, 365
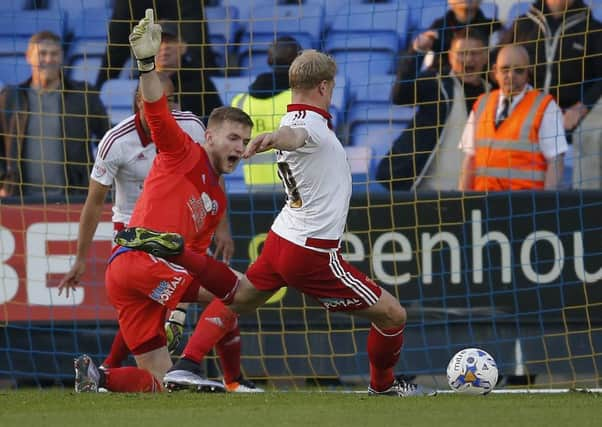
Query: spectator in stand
48, 124
436, 41
564, 42
426, 155
193, 29
514, 138
266, 103
196, 91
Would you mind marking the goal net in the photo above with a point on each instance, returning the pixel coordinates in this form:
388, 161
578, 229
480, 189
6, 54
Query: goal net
518, 274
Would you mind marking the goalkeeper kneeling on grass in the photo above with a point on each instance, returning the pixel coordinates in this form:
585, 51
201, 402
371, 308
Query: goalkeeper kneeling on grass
185, 177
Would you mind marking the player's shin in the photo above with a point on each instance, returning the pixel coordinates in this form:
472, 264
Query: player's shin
216, 320
228, 349
384, 348
129, 380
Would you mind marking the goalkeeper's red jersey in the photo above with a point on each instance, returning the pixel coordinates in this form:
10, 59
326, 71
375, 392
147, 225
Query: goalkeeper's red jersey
181, 193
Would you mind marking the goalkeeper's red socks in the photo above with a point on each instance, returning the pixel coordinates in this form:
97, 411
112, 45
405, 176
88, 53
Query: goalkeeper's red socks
384, 348
119, 352
216, 276
215, 322
228, 350
129, 380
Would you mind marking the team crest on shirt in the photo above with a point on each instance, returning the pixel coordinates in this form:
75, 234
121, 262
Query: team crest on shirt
200, 208
98, 171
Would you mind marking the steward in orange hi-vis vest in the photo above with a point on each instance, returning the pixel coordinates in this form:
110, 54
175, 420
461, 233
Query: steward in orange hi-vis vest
509, 157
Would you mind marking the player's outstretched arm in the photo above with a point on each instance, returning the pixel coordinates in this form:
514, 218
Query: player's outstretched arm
145, 41
285, 139
88, 222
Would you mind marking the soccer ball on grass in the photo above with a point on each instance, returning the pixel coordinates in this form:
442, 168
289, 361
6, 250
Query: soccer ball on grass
472, 371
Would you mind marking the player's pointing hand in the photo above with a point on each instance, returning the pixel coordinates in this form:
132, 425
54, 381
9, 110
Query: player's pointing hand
259, 144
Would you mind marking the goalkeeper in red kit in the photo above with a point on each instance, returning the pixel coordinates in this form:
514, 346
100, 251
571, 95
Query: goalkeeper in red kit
181, 195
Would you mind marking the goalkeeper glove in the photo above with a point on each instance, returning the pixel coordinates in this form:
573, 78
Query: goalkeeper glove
145, 41
174, 329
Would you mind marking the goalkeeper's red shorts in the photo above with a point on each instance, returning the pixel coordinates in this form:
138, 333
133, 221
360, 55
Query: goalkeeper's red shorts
325, 276
142, 287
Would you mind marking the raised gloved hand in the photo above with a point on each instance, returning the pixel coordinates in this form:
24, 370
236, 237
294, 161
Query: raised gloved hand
145, 41
174, 329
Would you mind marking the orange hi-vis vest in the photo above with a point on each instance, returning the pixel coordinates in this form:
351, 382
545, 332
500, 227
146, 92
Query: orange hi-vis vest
509, 157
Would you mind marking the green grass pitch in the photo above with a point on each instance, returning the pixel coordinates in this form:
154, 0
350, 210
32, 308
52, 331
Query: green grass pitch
62, 408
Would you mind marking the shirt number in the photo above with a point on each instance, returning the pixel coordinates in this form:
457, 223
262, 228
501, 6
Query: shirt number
290, 185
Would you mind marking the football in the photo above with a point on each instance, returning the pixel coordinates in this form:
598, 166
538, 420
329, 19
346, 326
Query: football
472, 371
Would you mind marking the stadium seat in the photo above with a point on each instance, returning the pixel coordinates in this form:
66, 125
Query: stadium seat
229, 87
516, 10
377, 126
303, 21
13, 5
14, 69
90, 24
118, 97
85, 68
377, 18
223, 27
358, 66
375, 89
25, 23
75, 5
10, 45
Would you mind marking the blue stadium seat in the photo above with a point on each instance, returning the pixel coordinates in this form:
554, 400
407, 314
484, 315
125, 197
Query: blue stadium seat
358, 66
118, 97
303, 21
375, 89
229, 87
223, 27
84, 68
25, 23
9, 46
377, 126
14, 69
75, 5
516, 10
89, 24
13, 5
377, 18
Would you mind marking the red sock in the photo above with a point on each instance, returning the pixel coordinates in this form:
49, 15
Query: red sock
215, 322
384, 347
216, 276
130, 380
228, 350
119, 352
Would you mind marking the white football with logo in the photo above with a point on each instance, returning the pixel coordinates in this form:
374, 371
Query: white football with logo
472, 371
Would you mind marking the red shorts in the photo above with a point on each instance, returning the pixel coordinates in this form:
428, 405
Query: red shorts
142, 287
325, 276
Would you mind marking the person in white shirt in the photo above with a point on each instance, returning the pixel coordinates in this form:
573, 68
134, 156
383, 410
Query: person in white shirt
302, 248
514, 138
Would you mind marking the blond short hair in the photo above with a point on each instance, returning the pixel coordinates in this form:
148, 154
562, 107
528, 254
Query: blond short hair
310, 68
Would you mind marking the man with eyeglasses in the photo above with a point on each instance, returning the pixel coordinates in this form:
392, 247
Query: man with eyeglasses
564, 42
514, 138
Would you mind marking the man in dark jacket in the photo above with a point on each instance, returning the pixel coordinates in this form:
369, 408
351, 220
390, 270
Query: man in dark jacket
436, 41
48, 123
426, 155
564, 42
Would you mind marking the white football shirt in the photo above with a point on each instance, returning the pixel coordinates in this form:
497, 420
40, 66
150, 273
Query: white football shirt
317, 180
125, 156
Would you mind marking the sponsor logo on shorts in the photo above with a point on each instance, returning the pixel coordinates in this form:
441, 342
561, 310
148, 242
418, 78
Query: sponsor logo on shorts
165, 290
337, 303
